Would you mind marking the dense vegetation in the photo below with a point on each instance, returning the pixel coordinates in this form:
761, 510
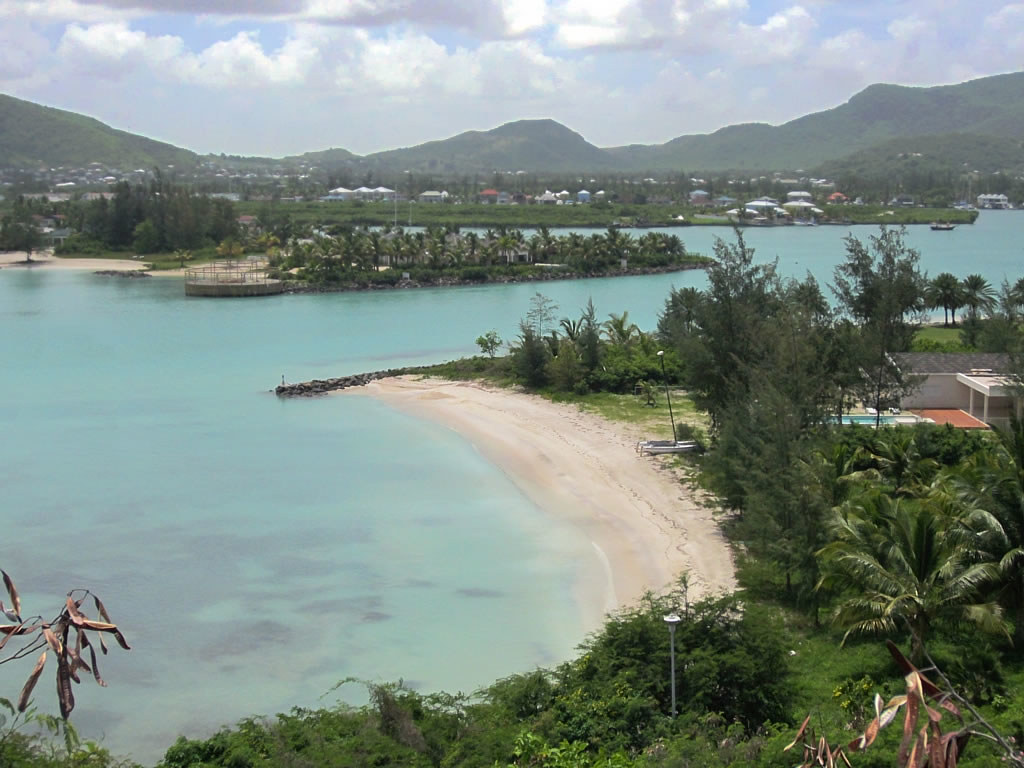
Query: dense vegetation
368, 258
153, 218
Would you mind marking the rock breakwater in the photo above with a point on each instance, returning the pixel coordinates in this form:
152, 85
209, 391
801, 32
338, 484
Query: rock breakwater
323, 386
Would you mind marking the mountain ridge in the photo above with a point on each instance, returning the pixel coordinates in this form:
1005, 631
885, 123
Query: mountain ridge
987, 112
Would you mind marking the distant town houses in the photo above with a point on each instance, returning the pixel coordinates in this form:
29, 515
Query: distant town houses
361, 193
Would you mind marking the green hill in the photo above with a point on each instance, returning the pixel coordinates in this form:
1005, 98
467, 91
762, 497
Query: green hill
529, 145
326, 158
33, 135
954, 153
990, 106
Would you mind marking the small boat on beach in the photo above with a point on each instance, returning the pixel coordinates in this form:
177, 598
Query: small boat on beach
943, 226
655, 447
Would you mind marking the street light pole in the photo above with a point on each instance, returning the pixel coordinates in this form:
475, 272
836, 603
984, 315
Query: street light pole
672, 620
664, 378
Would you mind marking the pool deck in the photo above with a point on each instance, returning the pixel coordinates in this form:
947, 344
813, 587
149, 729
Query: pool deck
952, 416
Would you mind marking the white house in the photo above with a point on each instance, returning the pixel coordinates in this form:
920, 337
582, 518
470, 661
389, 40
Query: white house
999, 202
432, 196
583, 196
798, 196
976, 384
339, 193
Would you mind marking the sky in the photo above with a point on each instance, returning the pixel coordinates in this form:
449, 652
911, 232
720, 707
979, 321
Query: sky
279, 77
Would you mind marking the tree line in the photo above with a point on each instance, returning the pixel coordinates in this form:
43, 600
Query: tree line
344, 254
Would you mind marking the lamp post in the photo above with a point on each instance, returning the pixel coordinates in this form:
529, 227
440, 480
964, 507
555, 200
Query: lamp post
664, 378
672, 620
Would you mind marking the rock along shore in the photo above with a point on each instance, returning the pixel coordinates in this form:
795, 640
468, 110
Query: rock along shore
323, 386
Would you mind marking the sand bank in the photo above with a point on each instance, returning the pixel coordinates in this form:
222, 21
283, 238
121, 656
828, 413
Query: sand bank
646, 527
46, 260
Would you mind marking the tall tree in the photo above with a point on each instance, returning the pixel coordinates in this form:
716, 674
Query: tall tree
18, 231
880, 288
741, 298
978, 295
945, 291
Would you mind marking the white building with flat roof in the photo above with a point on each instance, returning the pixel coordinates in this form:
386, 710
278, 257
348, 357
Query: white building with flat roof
998, 202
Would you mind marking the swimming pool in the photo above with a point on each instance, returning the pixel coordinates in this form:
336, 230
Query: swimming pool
868, 419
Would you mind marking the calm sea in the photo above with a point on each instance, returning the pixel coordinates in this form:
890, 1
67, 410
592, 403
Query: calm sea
257, 551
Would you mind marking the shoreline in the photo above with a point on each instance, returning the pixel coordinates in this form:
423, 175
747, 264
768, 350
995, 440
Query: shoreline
645, 526
46, 260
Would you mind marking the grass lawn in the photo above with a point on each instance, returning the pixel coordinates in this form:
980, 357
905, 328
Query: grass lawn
939, 334
633, 409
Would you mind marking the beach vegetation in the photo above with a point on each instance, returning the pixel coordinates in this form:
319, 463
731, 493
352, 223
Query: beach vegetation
19, 232
489, 343
343, 257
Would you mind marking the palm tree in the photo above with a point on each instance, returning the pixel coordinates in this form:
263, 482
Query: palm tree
472, 244
978, 295
619, 331
896, 460
990, 486
572, 329
945, 291
1018, 292
903, 566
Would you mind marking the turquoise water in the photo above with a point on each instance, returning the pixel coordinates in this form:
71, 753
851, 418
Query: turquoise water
257, 551
869, 420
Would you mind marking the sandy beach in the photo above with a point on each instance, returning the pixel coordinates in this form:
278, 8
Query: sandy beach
46, 260
646, 527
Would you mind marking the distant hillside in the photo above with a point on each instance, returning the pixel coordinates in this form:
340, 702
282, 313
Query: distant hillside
948, 153
528, 145
33, 135
990, 106
979, 123
327, 158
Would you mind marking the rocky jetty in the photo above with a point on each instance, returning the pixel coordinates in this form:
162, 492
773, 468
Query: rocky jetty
323, 386
126, 273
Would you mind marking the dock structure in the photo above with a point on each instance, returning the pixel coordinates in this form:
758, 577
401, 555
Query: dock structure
231, 279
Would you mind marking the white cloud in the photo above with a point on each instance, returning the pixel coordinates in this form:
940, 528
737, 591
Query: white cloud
112, 48
779, 39
242, 62
522, 16
21, 52
56, 11
415, 67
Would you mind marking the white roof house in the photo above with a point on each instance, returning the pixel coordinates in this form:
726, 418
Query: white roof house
993, 201
798, 195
